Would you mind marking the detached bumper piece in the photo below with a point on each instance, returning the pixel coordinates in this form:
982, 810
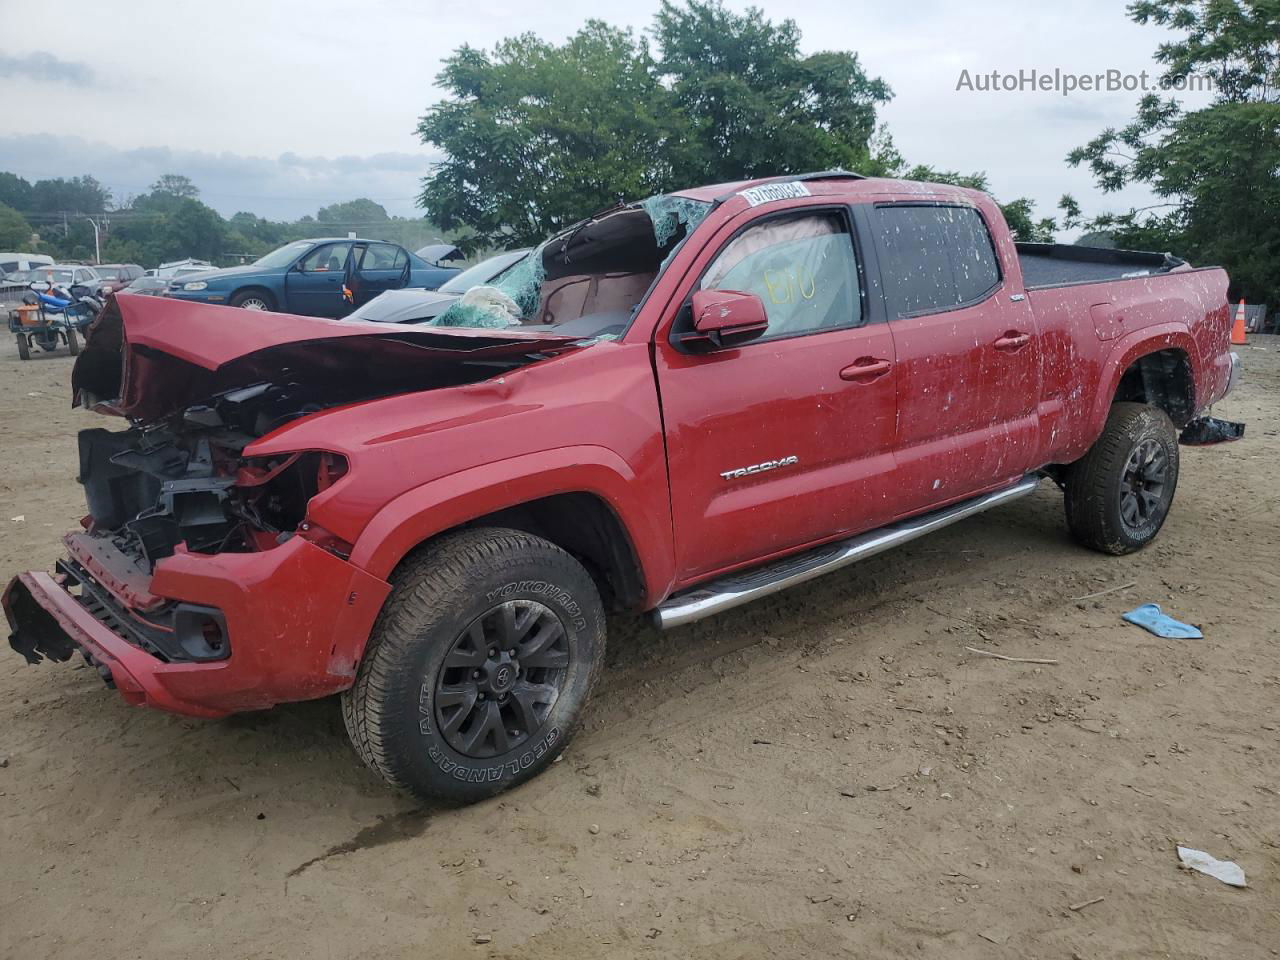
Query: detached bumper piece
1206, 431
239, 631
47, 622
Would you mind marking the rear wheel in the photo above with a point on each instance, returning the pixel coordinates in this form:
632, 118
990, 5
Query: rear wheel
253, 300
1119, 494
479, 667
24, 348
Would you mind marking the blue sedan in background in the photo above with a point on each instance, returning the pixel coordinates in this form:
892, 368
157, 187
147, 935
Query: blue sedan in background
309, 277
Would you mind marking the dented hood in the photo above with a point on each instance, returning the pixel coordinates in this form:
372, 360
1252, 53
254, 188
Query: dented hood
149, 357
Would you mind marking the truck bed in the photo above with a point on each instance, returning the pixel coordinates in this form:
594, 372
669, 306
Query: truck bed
1058, 264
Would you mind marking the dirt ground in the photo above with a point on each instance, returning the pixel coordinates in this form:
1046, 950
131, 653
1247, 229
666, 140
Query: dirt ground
826, 773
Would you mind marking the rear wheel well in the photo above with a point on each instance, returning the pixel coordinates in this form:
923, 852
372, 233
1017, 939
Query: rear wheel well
584, 526
1162, 379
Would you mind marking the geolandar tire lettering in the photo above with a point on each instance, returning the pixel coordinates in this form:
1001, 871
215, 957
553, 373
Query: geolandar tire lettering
479, 667
1118, 495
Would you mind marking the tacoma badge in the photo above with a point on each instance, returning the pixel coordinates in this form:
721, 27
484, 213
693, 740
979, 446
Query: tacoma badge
760, 468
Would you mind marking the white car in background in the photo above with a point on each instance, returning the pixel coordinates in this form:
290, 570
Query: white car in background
17, 264
181, 268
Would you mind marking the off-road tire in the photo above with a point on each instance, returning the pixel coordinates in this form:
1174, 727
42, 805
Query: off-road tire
1096, 484
438, 596
73, 342
24, 348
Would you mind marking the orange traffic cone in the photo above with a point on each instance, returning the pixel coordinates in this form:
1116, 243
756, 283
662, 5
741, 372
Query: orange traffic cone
1237, 331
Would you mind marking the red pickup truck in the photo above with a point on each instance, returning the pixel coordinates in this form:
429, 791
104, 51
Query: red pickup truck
674, 406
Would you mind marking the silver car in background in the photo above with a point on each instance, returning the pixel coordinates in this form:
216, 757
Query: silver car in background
423, 306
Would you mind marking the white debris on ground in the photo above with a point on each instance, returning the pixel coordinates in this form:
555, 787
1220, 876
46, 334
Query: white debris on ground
1224, 870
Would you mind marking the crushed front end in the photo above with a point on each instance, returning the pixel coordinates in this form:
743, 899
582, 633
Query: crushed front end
197, 585
200, 583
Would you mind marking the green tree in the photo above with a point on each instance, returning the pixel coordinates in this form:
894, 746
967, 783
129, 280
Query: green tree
753, 104
1215, 169
176, 185
164, 226
1235, 43
14, 191
361, 210
15, 232
537, 135
194, 230
77, 195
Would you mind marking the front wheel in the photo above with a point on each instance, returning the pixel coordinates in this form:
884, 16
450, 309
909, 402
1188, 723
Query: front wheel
1119, 494
73, 342
24, 347
479, 667
253, 300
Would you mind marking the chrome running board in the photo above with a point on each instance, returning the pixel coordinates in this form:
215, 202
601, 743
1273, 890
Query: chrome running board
739, 588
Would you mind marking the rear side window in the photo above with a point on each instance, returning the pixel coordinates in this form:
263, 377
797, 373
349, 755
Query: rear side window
934, 257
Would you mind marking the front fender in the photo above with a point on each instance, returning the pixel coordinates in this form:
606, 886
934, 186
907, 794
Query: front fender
273, 285
1129, 348
445, 503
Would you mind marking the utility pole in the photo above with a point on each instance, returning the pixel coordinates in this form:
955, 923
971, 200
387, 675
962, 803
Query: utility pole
97, 244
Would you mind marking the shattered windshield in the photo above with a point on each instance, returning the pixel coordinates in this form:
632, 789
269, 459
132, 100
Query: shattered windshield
585, 281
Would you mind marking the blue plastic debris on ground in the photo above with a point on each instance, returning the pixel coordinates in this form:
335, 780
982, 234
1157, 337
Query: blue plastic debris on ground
1149, 616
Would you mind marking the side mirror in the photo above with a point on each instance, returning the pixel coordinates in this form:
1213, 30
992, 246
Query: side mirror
724, 319
40, 286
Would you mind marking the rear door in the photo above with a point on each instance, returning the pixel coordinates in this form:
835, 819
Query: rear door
377, 268
785, 440
967, 350
314, 285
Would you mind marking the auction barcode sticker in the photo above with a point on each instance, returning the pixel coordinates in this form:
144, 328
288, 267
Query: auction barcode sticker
775, 191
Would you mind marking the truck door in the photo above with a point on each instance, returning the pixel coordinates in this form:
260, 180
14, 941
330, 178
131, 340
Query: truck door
314, 286
787, 439
967, 349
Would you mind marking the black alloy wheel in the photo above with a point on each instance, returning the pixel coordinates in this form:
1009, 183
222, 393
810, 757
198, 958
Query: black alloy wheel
501, 678
1142, 484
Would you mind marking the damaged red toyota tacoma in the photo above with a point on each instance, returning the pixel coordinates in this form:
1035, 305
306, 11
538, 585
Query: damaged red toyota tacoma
675, 406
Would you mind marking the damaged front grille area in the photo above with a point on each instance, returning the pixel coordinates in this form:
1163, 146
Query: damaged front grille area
95, 598
176, 633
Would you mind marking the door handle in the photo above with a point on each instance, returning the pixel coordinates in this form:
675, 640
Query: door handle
866, 369
1012, 340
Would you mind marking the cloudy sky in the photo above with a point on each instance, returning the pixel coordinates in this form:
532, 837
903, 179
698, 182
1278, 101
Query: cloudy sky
279, 108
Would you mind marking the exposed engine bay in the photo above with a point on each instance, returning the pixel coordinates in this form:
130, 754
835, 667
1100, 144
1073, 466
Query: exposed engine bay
179, 474
186, 482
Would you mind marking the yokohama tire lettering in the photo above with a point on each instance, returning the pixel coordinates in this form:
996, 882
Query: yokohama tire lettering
548, 591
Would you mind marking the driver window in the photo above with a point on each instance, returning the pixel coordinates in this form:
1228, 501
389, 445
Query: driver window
330, 258
802, 267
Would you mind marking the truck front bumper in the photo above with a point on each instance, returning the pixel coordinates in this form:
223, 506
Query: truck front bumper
297, 618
